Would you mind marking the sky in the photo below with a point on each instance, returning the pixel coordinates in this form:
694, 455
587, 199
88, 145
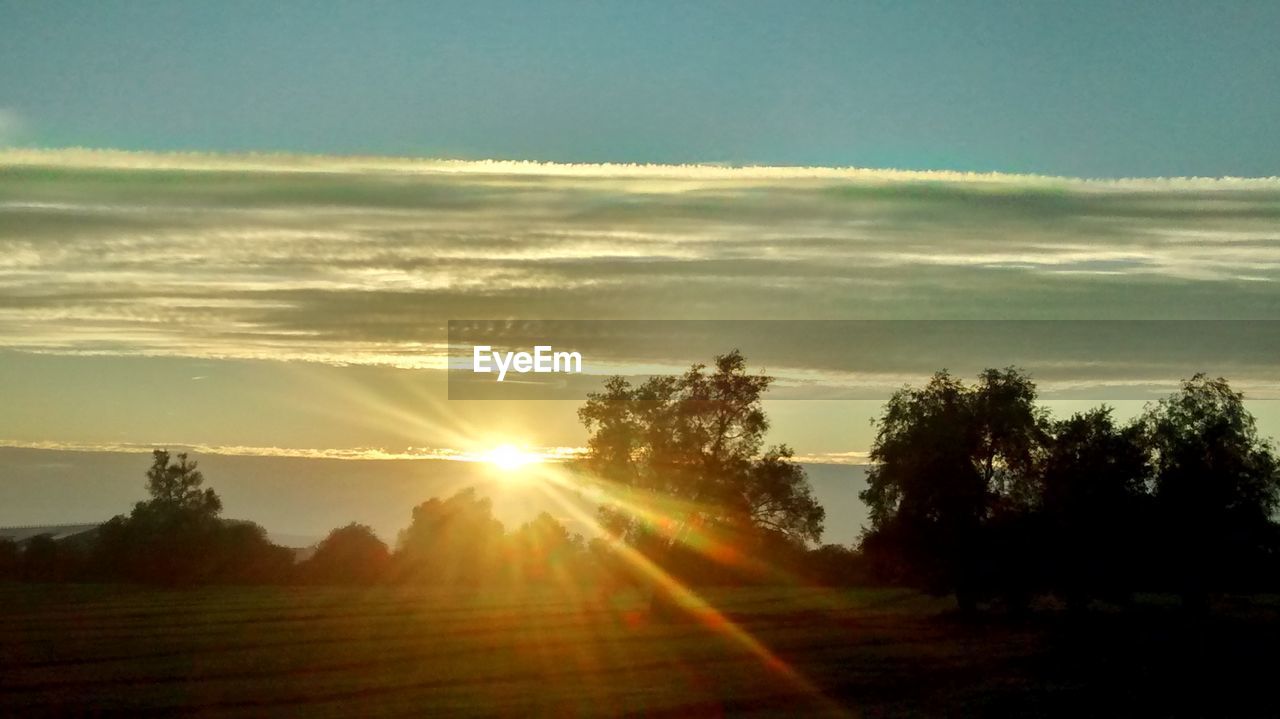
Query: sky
296, 308
241, 228
1091, 88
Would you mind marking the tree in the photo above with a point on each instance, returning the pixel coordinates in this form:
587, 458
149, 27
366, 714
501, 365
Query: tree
451, 541
176, 486
176, 536
10, 560
45, 559
952, 460
835, 565
1011, 430
349, 555
543, 549
1216, 484
241, 553
684, 458
1095, 505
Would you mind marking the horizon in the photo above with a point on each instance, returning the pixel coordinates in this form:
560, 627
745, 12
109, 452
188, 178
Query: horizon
213, 159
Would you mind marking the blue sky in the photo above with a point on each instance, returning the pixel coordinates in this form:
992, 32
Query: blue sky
1081, 89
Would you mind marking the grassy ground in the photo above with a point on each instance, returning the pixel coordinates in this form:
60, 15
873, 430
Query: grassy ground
346, 652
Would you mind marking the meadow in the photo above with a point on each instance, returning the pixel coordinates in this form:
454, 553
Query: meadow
307, 651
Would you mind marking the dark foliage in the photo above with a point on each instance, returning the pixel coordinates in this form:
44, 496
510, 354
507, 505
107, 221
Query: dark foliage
953, 462
177, 538
349, 555
692, 487
544, 551
10, 560
454, 541
976, 492
1216, 484
1095, 508
45, 559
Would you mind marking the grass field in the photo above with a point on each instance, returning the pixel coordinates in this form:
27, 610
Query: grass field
73, 650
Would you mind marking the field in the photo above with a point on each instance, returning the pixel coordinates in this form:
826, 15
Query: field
74, 649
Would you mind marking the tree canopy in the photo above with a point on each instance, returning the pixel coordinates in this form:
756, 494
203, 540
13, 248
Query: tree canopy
176, 536
949, 458
176, 486
688, 451
451, 541
942, 452
352, 554
974, 486
1216, 485
1210, 462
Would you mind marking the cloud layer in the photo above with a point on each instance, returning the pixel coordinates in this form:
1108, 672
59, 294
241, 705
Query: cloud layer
363, 260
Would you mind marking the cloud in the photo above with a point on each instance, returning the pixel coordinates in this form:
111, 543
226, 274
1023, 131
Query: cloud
311, 164
363, 260
546, 454
838, 458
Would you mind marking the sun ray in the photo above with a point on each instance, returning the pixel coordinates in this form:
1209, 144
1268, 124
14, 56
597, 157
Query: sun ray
698, 607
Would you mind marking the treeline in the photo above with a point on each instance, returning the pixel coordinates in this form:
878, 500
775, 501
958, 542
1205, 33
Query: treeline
177, 538
976, 490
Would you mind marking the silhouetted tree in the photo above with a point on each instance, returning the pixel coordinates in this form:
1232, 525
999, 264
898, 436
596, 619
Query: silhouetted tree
685, 456
349, 555
451, 541
1216, 485
176, 537
950, 461
1095, 505
544, 550
1011, 430
835, 565
45, 559
10, 560
241, 553
176, 487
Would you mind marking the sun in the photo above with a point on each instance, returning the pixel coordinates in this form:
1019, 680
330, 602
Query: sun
510, 457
